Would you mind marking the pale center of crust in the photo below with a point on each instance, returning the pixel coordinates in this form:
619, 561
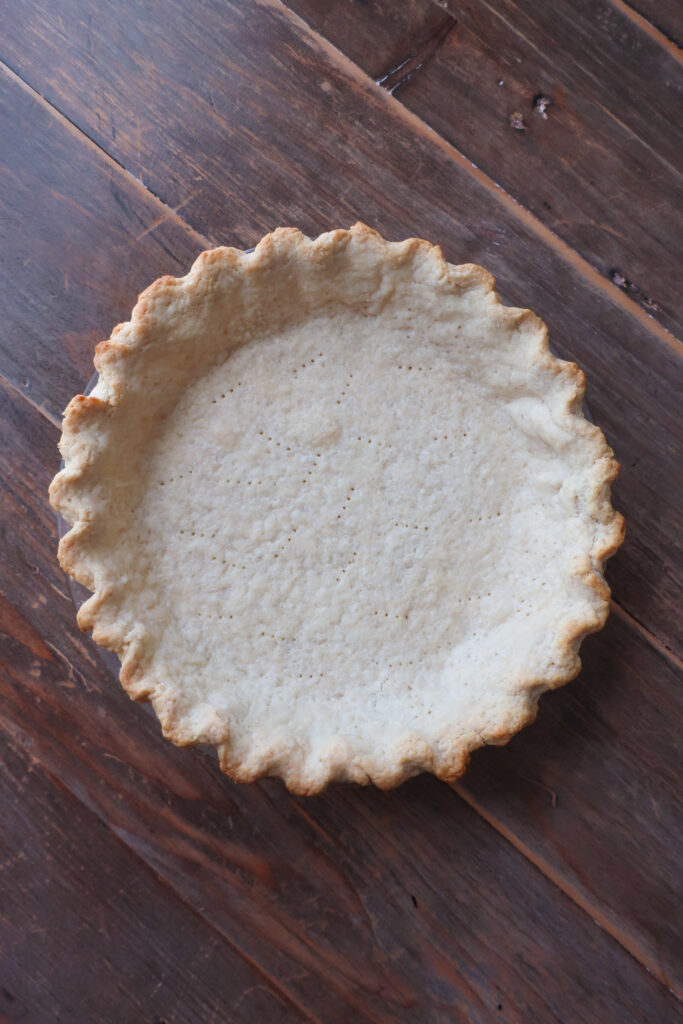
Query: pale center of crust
345, 529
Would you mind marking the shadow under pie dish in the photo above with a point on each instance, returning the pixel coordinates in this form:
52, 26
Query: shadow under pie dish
339, 509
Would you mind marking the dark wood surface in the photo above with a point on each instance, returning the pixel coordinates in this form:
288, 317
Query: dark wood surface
384, 167
136, 883
664, 16
572, 107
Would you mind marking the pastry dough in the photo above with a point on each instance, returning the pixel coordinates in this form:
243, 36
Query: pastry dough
339, 509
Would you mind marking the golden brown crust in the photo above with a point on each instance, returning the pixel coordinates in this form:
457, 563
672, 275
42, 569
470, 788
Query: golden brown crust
221, 275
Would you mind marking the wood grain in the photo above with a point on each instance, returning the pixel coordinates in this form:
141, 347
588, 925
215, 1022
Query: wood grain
570, 106
378, 35
295, 884
310, 143
136, 882
130, 949
663, 15
585, 807
90, 933
80, 243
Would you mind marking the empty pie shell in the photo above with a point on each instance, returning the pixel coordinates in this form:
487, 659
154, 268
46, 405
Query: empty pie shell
339, 509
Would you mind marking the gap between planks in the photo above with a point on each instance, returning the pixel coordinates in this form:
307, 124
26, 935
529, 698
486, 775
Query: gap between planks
630, 620
513, 29
641, 22
569, 255
633, 623
17, 390
604, 921
646, 26
15, 734
170, 213
591, 274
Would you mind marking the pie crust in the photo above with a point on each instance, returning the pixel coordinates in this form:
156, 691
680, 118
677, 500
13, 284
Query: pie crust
339, 509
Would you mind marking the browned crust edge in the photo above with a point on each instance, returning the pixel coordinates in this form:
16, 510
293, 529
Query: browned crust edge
413, 754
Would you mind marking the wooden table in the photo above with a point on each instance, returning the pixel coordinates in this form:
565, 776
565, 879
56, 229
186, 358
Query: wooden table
540, 139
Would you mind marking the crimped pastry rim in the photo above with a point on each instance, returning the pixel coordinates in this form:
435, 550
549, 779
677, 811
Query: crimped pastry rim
412, 757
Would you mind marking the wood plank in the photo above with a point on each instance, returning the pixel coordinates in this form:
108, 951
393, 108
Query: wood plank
572, 107
264, 163
378, 35
319, 891
88, 933
80, 244
664, 15
72, 735
119, 56
59, 701
586, 805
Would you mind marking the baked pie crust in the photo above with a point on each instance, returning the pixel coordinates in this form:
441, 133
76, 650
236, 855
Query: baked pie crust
339, 509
